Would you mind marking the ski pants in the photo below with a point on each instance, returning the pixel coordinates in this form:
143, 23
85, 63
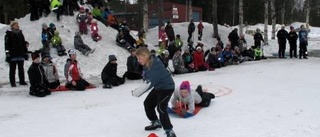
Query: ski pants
159, 98
293, 50
282, 49
12, 72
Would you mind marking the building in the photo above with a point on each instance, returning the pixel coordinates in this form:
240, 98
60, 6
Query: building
172, 12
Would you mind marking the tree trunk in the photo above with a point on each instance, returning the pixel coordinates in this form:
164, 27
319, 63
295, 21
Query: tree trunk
145, 16
266, 21
215, 18
307, 12
190, 10
282, 12
240, 17
273, 17
160, 12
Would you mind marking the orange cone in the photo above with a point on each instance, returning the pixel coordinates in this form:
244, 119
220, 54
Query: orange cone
153, 135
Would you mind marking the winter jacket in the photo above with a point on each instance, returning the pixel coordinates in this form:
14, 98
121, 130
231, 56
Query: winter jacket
55, 4
158, 75
200, 27
303, 36
96, 12
82, 17
56, 40
94, 28
178, 42
163, 36
282, 36
170, 32
188, 102
37, 78
257, 38
292, 38
50, 71
15, 44
50, 33
178, 64
78, 42
233, 37
133, 65
109, 72
187, 58
72, 70
198, 59
191, 27
164, 60
44, 35
242, 43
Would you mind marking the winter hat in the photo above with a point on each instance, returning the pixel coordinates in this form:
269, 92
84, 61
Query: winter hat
56, 33
71, 52
81, 8
35, 55
13, 23
112, 57
198, 48
45, 55
44, 25
51, 25
291, 27
185, 85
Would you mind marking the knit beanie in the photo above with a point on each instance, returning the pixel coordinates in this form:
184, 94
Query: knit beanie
185, 85
13, 23
112, 57
44, 25
52, 25
71, 52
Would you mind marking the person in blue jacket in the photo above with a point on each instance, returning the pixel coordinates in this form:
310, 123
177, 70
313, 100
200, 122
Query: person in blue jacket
162, 86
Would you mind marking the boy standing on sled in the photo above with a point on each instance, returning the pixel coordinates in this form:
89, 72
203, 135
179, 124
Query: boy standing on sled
73, 73
185, 99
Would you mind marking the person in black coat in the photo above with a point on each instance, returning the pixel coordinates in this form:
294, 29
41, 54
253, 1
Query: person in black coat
16, 52
37, 78
44, 6
191, 29
134, 69
34, 9
292, 38
257, 39
234, 38
170, 32
282, 36
109, 73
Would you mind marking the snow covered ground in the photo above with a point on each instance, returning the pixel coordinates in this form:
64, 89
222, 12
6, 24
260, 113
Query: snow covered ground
269, 98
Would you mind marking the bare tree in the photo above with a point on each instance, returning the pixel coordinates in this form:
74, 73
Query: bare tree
145, 16
283, 10
273, 19
266, 12
190, 10
240, 17
307, 12
215, 18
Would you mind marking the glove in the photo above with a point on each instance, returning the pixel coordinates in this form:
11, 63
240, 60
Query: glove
141, 89
187, 114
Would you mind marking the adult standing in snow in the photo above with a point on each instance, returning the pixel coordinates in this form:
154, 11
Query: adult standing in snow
234, 38
44, 7
293, 36
160, 81
16, 52
282, 36
303, 38
200, 30
191, 28
169, 31
257, 37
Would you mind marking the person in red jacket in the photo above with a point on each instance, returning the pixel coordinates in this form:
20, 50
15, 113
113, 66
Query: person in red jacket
200, 29
199, 61
94, 31
73, 73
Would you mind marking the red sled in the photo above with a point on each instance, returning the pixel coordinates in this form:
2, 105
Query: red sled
179, 111
63, 88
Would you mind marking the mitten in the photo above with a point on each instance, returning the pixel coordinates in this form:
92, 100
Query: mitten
187, 114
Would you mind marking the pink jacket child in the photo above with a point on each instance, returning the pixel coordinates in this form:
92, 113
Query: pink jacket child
94, 31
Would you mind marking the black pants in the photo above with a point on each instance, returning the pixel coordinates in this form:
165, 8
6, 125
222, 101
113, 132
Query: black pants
81, 85
12, 72
133, 76
159, 99
302, 49
200, 35
34, 13
190, 36
206, 97
293, 50
282, 49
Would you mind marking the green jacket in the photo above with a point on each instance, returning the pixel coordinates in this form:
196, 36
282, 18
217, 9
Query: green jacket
96, 12
55, 4
56, 40
178, 42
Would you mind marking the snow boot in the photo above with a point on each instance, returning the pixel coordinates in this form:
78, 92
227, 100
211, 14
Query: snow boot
107, 86
170, 133
154, 125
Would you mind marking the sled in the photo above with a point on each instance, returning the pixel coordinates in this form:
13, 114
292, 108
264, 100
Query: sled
63, 88
178, 112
